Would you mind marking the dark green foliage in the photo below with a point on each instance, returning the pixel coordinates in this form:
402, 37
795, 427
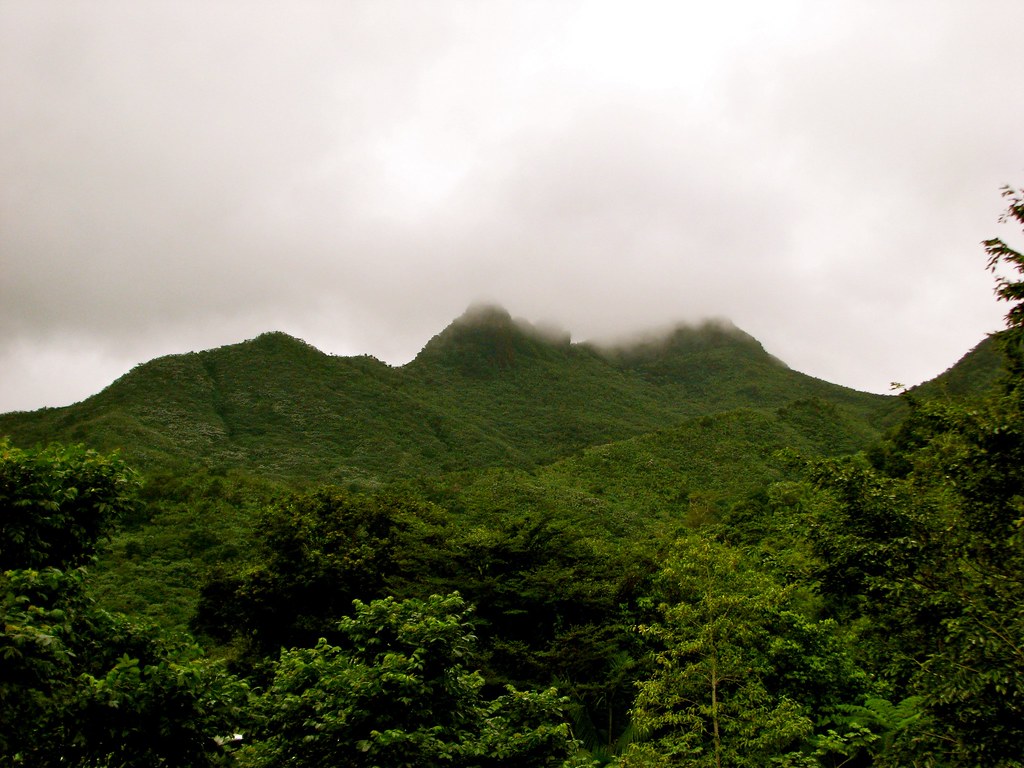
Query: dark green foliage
401, 691
552, 606
141, 699
38, 609
932, 557
550, 603
57, 504
741, 672
78, 686
315, 553
528, 575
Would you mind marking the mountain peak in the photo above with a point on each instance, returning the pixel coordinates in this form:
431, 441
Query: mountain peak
486, 338
484, 314
278, 340
681, 338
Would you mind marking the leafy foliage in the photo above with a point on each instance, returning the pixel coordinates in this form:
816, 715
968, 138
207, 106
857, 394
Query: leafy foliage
57, 504
400, 692
550, 603
933, 557
739, 674
316, 553
79, 686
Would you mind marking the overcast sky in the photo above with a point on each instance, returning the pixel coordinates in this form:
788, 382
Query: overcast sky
181, 175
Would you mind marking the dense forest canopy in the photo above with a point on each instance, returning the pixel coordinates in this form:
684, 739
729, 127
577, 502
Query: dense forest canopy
519, 551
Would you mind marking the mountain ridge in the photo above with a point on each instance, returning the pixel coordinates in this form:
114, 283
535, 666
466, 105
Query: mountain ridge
488, 390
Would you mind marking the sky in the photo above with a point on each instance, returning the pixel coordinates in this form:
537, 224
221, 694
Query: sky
177, 176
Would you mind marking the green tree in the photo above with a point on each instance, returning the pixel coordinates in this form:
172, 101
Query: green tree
929, 564
1001, 255
556, 607
740, 674
318, 551
400, 691
78, 686
58, 503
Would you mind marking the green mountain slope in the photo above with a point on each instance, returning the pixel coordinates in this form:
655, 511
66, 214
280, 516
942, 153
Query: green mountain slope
492, 418
718, 367
486, 391
273, 405
683, 475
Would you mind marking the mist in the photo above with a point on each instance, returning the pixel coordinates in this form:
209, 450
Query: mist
179, 176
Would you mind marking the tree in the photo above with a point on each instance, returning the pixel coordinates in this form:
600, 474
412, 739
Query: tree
1008, 289
929, 563
555, 607
319, 551
400, 691
740, 675
78, 686
56, 504
549, 603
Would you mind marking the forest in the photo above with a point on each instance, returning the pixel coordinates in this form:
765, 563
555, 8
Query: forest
517, 551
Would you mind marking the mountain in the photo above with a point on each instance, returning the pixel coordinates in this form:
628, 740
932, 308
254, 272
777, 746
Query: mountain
273, 404
486, 391
494, 417
976, 373
721, 367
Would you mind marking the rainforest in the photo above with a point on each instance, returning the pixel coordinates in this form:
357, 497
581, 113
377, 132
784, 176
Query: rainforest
516, 550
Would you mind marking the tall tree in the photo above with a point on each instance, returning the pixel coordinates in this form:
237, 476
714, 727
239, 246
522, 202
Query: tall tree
57, 504
318, 551
740, 674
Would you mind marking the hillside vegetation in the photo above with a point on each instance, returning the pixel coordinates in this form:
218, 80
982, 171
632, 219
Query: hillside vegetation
487, 391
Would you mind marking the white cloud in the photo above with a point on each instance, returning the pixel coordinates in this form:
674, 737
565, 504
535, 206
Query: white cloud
182, 175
